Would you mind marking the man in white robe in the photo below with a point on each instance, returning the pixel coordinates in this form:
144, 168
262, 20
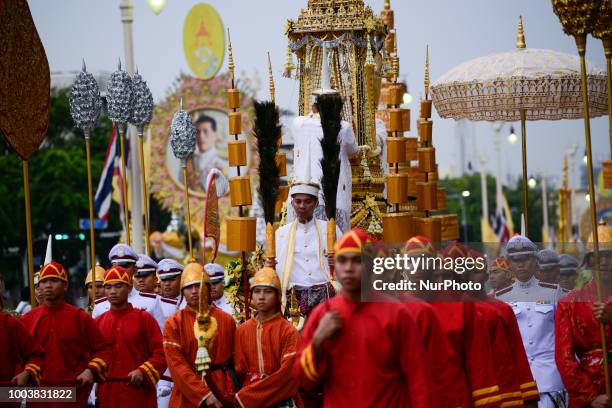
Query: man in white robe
302, 261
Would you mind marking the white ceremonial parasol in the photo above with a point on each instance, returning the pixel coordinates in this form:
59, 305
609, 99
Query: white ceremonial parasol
521, 84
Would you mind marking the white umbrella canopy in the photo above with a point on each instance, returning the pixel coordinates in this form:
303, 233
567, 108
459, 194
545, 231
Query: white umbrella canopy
545, 83
521, 84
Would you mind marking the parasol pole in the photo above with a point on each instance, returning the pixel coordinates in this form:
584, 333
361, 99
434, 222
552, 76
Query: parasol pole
92, 245
581, 45
26, 190
126, 213
187, 212
577, 19
607, 45
520, 44
525, 186
145, 189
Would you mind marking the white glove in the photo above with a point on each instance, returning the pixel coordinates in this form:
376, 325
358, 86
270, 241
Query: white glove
375, 152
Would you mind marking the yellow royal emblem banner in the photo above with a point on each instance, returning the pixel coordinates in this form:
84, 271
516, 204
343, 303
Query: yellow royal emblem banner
204, 41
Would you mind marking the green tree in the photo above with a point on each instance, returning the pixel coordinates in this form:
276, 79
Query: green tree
473, 204
58, 190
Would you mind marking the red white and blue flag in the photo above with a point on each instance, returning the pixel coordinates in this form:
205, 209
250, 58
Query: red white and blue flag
110, 170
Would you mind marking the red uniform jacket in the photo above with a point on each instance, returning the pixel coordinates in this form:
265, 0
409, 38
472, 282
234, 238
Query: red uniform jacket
375, 360
578, 346
517, 354
449, 383
264, 357
18, 351
506, 371
470, 339
180, 347
72, 342
137, 343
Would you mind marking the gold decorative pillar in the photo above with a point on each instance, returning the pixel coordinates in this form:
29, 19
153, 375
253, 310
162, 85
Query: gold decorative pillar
241, 229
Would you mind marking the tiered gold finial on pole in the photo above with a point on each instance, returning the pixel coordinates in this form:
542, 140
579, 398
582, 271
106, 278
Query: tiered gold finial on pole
241, 230
578, 19
271, 79
230, 57
427, 171
397, 224
520, 35
426, 81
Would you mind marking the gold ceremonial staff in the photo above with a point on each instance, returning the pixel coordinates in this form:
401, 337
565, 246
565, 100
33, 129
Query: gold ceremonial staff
142, 111
603, 30
241, 230
119, 103
26, 98
578, 18
85, 107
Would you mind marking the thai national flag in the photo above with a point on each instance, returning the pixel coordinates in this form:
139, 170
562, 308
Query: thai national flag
102, 201
500, 224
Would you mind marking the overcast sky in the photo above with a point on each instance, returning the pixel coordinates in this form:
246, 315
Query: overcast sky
455, 31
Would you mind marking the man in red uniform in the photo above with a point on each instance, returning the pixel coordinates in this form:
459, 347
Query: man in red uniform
477, 384
265, 348
20, 354
578, 342
511, 365
500, 274
138, 351
363, 354
75, 350
193, 389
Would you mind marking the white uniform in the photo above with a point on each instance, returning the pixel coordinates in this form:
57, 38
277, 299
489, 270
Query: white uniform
222, 304
300, 254
164, 387
307, 137
169, 306
534, 304
149, 302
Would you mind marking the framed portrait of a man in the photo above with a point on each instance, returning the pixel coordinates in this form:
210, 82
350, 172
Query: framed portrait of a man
206, 103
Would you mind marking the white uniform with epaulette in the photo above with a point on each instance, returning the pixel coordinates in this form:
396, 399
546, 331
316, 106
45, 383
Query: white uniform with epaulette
168, 269
122, 254
534, 304
216, 273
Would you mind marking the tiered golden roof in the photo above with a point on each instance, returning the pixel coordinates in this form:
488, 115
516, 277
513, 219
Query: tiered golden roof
335, 15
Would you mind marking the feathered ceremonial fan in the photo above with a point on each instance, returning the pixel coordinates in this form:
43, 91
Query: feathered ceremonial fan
330, 109
267, 131
216, 187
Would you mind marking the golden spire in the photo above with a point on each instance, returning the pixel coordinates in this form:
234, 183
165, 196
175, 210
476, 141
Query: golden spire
230, 58
426, 72
520, 36
387, 4
394, 62
270, 78
564, 169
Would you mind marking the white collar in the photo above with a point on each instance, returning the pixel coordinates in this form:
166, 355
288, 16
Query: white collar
532, 281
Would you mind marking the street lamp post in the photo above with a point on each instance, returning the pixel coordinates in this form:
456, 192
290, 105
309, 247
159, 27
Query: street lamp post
127, 18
